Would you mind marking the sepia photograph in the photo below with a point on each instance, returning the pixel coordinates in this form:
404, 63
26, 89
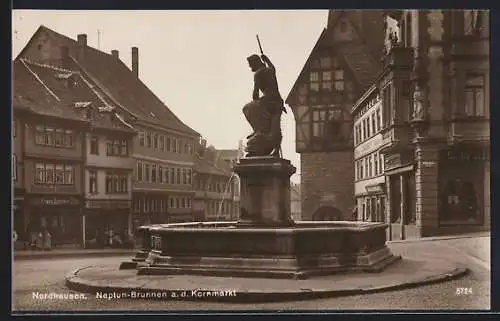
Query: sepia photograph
250, 160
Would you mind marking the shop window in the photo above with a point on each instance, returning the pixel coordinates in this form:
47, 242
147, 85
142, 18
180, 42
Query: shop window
459, 201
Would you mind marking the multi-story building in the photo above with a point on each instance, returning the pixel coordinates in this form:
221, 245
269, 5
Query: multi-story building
232, 157
164, 146
295, 207
423, 164
52, 151
342, 64
108, 173
214, 186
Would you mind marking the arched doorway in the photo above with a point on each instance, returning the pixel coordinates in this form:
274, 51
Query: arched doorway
327, 213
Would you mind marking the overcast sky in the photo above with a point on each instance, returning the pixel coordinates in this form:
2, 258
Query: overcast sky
195, 61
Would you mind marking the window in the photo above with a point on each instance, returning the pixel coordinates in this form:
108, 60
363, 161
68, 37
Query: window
376, 168
178, 176
141, 138
116, 147
374, 123
53, 137
474, 95
171, 201
155, 141
147, 173
172, 175
378, 119
368, 128
184, 176
168, 147
116, 183
470, 21
146, 205
186, 148
92, 182
162, 143
370, 166
190, 176
148, 139
160, 174
314, 81
14, 167
326, 80
139, 172
60, 174
153, 173
123, 150
183, 202
94, 145
339, 80
366, 171
176, 202
165, 175
178, 146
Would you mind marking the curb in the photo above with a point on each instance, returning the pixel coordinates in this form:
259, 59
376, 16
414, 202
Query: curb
74, 282
441, 238
70, 254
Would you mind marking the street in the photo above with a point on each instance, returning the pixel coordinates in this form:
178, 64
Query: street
46, 276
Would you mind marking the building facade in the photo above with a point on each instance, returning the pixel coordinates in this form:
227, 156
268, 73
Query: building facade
295, 207
163, 149
425, 167
216, 185
342, 64
52, 153
108, 175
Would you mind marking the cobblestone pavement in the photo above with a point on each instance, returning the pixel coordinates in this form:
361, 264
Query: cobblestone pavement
46, 276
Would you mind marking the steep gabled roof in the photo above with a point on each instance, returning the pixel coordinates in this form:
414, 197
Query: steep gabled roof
30, 93
72, 94
355, 53
118, 81
306, 66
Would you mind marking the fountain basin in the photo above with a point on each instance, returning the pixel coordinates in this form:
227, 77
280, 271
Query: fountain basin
298, 251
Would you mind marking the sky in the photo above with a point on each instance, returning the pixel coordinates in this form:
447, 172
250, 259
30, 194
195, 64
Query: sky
195, 61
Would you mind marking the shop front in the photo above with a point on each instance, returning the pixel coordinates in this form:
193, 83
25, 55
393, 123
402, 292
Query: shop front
18, 215
60, 215
107, 222
463, 198
374, 203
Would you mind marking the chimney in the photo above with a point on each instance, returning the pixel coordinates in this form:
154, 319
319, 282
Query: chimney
115, 54
65, 56
82, 43
135, 61
82, 40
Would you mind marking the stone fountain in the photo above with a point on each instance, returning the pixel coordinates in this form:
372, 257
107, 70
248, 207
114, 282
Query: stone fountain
265, 242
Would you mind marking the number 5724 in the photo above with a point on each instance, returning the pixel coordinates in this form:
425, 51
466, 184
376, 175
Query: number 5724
463, 291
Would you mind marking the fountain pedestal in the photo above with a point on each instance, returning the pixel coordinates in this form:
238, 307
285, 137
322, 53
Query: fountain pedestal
265, 191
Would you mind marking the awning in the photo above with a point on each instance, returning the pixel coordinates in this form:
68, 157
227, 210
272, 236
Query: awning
400, 170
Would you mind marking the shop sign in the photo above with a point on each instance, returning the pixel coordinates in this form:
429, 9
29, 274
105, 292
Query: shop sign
108, 204
372, 189
55, 201
429, 163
